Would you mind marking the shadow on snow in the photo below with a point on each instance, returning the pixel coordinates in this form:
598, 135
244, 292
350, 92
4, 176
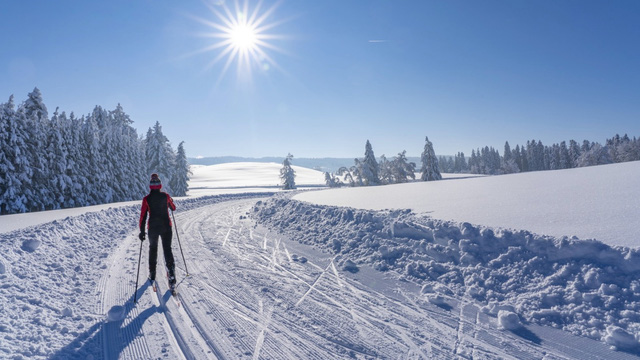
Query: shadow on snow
94, 341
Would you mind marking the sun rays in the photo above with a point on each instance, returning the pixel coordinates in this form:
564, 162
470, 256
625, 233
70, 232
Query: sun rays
242, 37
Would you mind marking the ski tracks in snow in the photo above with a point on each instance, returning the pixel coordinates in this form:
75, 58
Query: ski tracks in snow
253, 294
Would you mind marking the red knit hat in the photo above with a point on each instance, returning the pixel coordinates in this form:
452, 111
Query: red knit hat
155, 183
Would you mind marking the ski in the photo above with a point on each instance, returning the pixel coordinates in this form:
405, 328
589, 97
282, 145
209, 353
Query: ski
174, 295
154, 286
173, 290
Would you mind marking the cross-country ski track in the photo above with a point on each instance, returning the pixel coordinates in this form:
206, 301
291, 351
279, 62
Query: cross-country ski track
254, 294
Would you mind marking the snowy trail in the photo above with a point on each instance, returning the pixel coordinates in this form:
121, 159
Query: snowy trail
251, 296
253, 292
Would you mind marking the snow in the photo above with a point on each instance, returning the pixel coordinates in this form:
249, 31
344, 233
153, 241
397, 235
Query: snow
272, 276
20, 221
509, 320
230, 178
598, 202
247, 175
579, 286
620, 339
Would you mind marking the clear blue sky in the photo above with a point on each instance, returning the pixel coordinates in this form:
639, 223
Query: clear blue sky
465, 73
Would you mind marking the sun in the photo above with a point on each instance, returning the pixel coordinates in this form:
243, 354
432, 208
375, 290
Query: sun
241, 36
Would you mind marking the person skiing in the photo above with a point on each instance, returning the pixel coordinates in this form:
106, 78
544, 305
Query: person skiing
156, 205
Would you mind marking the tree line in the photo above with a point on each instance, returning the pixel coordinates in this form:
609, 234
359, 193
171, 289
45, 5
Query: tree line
534, 156
368, 171
66, 161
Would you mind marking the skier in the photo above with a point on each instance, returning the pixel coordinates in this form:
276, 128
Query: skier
157, 205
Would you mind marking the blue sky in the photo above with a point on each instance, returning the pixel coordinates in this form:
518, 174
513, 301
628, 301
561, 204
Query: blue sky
465, 73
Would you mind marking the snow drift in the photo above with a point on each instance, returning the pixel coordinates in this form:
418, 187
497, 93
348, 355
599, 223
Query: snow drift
586, 287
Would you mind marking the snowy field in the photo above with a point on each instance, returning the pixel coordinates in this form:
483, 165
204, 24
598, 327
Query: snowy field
247, 175
599, 202
275, 277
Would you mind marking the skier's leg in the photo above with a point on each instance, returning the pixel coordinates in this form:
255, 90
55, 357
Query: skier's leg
153, 254
168, 254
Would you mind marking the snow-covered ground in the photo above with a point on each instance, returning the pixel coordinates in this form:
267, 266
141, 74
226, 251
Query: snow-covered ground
274, 277
234, 177
599, 202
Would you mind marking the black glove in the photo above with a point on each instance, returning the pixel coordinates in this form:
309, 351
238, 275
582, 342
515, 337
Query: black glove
141, 236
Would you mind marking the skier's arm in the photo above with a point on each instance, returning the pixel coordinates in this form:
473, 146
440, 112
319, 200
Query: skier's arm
172, 206
143, 214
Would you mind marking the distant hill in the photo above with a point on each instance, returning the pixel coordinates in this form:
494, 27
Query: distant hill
320, 164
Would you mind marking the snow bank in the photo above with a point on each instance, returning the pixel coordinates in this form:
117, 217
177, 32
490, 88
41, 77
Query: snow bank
47, 294
598, 202
620, 339
579, 286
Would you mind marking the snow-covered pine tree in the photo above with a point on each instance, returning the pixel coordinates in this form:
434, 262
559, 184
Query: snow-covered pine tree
370, 169
402, 168
5, 165
15, 169
75, 195
93, 162
444, 164
430, 169
347, 176
287, 174
56, 157
565, 158
596, 155
36, 117
574, 153
357, 172
180, 180
131, 172
460, 163
160, 157
110, 188
385, 171
332, 180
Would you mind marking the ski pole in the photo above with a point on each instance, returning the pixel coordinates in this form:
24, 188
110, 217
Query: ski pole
135, 294
179, 244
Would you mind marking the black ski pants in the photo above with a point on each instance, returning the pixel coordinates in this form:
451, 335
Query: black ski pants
166, 248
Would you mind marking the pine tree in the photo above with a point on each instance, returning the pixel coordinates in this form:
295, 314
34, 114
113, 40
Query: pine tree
385, 171
15, 169
36, 117
110, 189
287, 174
370, 168
180, 180
92, 161
430, 169
76, 194
332, 180
402, 169
5, 165
160, 157
347, 175
574, 153
56, 157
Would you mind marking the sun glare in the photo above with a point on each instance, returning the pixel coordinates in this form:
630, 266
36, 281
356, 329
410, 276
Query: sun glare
242, 37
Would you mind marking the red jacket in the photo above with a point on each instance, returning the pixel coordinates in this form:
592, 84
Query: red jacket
156, 205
